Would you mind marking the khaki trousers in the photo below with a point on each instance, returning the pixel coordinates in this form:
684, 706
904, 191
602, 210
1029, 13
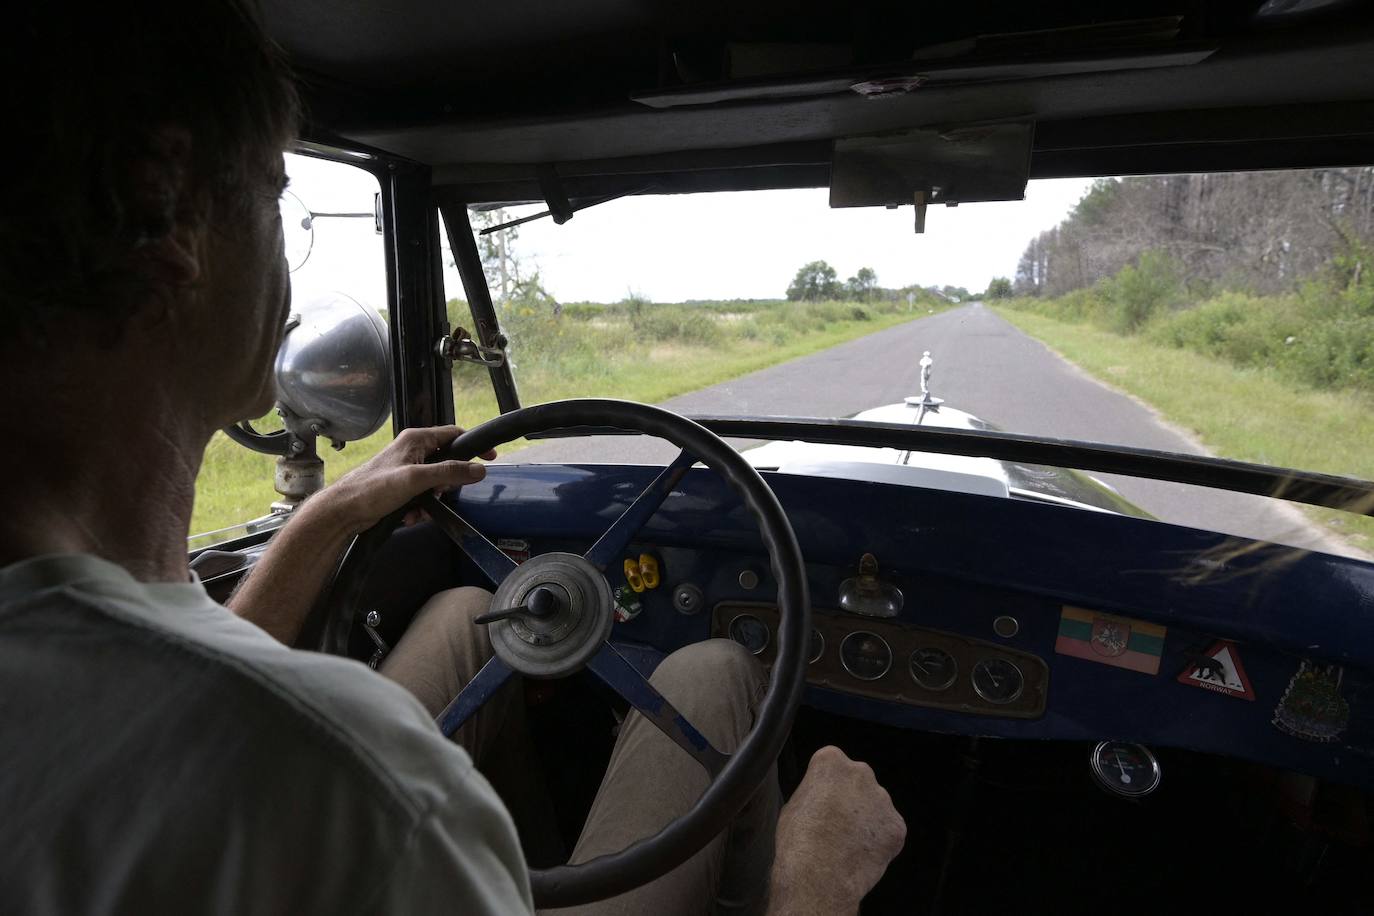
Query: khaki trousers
649, 781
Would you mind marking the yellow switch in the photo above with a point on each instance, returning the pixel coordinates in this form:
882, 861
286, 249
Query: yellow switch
648, 570
633, 577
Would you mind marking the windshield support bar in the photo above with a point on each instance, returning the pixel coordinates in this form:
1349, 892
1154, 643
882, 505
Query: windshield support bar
1345, 493
489, 334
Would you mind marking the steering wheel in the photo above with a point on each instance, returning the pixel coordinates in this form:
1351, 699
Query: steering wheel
552, 616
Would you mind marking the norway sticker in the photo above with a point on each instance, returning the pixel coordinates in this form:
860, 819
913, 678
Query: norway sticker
1219, 670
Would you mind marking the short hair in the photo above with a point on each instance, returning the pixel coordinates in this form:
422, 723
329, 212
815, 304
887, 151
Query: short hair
89, 88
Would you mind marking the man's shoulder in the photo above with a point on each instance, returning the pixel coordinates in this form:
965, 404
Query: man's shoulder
177, 737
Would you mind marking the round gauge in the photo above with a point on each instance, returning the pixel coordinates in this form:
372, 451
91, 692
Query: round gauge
997, 680
750, 632
1126, 769
817, 647
865, 655
933, 669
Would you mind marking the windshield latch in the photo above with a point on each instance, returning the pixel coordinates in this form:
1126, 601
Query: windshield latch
460, 347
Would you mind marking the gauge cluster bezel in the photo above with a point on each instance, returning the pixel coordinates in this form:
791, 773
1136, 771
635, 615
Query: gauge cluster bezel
898, 683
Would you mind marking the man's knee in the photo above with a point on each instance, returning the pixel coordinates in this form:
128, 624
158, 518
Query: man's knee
716, 684
458, 604
710, 659
446, 618
453, 608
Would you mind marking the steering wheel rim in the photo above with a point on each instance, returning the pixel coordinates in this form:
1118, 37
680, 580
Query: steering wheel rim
745, 769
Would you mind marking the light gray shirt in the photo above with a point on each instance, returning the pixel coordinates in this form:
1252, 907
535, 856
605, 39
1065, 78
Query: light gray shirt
160, 755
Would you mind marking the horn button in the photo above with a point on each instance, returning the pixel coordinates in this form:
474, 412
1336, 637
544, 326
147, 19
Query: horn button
564, 612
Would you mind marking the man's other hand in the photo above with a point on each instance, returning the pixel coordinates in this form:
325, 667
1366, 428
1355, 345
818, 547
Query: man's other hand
394, 477
835, 838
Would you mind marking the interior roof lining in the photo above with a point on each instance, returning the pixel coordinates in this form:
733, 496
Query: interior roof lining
1267, 99
1273, 138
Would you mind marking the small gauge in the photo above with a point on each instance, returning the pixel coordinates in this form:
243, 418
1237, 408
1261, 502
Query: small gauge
933, 669
817, 646
998, 680
1125, 769
865, 655
750, 632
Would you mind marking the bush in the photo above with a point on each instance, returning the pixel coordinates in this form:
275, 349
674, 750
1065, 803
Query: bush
675, 323
999, 288
1239, 328
1334, 354
1142, 290
584, 311
1322, 335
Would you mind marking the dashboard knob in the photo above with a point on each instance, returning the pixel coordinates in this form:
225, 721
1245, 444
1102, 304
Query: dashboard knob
688, 599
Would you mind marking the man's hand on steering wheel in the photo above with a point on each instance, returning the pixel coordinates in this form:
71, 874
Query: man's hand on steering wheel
287, 581
395, 476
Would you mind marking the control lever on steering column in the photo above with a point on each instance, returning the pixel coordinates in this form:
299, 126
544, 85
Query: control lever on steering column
541, 602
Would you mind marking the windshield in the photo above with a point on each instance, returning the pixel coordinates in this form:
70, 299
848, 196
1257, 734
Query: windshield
1223, 314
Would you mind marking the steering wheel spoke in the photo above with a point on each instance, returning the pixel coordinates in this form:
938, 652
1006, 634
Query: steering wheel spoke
624, 678
477, 691
488, 557
616, 538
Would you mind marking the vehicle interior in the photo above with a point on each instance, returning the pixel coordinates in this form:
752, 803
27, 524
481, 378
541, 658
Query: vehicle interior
938, 635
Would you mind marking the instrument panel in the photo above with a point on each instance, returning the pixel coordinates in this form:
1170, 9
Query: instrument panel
887, 660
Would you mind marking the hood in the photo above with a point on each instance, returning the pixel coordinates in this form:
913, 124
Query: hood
931, 470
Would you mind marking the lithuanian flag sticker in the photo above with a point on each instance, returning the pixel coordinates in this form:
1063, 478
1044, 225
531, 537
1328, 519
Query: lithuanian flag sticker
1110, 640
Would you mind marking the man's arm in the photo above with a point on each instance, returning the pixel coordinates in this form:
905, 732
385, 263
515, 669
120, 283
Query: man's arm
836, 836
285, 583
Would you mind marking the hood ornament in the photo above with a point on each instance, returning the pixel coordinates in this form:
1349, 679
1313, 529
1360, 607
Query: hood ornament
925, 401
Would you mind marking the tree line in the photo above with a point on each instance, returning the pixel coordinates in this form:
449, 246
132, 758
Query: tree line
817, 281
1254, 231
1266, 271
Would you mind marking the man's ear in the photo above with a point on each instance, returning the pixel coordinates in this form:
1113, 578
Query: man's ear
163, 213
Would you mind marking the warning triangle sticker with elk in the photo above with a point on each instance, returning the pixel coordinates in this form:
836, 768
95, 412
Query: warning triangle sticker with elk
1219, 669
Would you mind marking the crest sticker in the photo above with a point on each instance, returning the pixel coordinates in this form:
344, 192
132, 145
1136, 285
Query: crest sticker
1312, 707
1108, 639
1109, 636
627, 604
518, 549
1219, 669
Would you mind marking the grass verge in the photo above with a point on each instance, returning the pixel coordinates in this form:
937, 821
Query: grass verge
1246, 414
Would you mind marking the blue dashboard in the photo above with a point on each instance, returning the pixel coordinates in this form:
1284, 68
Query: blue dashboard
1122, 628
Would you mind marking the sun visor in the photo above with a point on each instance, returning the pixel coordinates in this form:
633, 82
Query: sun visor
952, 166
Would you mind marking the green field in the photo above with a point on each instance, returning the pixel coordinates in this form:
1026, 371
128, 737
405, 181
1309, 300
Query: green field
636, 350
1247, 413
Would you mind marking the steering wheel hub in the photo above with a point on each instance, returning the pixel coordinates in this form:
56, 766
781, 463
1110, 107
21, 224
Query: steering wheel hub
562, 642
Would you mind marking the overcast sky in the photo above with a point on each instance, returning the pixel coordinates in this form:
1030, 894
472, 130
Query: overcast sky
702, 246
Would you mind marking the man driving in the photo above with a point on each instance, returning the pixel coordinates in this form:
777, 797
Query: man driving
163, 753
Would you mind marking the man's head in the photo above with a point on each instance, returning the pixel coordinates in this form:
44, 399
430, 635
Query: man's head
142, 209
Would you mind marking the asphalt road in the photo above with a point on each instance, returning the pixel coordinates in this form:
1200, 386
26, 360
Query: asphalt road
987, 367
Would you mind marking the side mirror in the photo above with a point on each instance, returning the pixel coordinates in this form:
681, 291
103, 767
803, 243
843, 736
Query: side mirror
334, 370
